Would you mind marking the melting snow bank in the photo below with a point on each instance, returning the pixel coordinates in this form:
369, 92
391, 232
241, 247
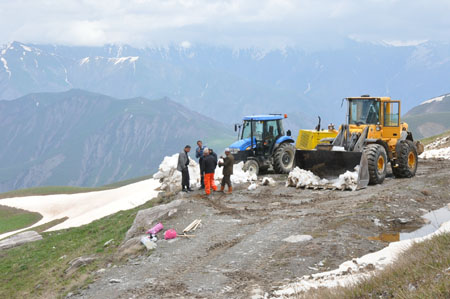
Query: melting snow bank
437, 149
83, 208
170, 177
301, 178
354, 271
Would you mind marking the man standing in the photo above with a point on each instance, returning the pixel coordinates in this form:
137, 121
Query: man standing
227, 164
183, 162
199, 156
209, 165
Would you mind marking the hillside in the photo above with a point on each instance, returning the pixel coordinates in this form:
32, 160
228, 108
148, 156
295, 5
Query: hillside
430, 118
85, 139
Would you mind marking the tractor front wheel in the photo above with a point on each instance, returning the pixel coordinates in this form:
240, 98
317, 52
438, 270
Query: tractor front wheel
283, 158
406, 160
376, 160
251, 166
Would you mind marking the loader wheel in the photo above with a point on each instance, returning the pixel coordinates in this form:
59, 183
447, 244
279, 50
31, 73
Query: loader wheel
376, 161
406, 160
283, 158
251, 166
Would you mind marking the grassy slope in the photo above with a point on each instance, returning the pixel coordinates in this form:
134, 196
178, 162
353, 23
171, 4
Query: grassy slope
429, 140
37, 269
421, 272
12, 219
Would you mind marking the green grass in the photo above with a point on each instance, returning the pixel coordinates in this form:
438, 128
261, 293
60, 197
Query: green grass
37, 269
48, 190
13, 219
429, 140
421, 272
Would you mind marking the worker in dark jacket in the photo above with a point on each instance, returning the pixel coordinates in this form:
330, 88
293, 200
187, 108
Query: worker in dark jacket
228, 162
183, 162
209, 165
199, 156
212, 153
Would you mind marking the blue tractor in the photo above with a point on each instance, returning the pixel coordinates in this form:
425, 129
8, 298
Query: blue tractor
263, 144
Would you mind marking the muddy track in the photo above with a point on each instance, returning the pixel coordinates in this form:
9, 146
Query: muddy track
239, 250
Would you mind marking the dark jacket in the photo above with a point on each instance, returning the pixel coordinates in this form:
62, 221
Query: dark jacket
227, 164
183, 161
214, 155
209, 163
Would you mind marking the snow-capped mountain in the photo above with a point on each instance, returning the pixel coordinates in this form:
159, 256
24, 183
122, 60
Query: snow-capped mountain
226, 84
431, 117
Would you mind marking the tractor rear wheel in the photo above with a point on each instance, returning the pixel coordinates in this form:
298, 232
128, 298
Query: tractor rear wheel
406, 160
376, 160
251, 166
283, 158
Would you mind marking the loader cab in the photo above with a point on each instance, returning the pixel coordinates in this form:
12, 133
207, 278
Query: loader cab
364, 111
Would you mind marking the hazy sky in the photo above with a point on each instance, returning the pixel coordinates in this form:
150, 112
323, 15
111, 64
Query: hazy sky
243, 23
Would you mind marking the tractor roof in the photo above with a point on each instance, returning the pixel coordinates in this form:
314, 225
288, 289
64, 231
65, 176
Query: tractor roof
265, 117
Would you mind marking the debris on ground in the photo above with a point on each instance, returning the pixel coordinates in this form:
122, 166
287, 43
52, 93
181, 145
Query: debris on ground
148, 243
193, 226
170, 234
266, 181
79, 262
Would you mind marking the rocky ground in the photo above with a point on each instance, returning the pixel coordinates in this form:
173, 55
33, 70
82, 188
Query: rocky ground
239, 251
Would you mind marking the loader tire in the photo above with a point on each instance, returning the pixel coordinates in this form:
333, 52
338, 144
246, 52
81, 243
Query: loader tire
283, 158
376, 162
251, 166
406, 160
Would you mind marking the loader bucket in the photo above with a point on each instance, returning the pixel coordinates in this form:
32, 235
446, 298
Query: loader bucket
328, 164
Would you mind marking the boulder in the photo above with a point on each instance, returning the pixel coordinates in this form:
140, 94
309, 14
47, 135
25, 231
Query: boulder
19, 239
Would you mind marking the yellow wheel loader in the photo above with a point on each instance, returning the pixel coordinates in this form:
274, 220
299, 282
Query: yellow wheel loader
372, 137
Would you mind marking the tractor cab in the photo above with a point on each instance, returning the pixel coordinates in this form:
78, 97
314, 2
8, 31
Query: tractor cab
259, 137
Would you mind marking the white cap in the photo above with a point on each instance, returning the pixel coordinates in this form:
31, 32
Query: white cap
227, 150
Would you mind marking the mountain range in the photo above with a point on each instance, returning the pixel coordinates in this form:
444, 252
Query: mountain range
225, 83
86, 139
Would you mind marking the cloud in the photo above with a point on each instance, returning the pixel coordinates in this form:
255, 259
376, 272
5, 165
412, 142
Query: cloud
251, 23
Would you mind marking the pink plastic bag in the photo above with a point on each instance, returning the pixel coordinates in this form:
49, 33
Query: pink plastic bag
154, 230
170, 234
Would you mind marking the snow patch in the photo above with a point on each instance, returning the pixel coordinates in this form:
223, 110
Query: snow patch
301, 178
130, 59
28, 49
436, 99
84, 60
298, 238
266, 181
83, 208
252, 187
353, 271
5, 65
441, 153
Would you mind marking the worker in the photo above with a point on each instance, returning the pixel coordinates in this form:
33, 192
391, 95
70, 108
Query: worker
199, 156
183, 163
209, 165
212, 153
228, 162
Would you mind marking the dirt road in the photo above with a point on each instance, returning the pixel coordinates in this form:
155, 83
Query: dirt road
239, 251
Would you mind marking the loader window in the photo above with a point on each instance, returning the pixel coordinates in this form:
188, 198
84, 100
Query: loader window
391, 114
364, 112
